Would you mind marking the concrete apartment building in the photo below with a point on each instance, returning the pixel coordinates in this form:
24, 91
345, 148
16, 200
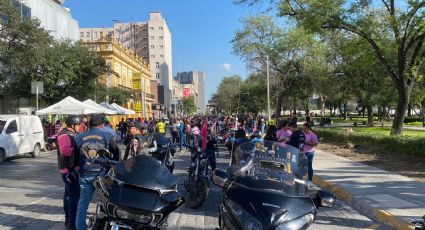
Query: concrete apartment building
152, 41
193, 84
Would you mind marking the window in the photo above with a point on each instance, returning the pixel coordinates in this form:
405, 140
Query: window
95, 34
161, 55
157, 76
12, 128
152, 46
152, 55
82, 34
157, 65
88, 34
161, 28
161, 37
151, 28
152, 37
161, 46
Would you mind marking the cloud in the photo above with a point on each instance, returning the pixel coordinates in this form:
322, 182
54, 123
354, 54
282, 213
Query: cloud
226, 67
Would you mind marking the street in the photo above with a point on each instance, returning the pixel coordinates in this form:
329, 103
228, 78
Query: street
31, 192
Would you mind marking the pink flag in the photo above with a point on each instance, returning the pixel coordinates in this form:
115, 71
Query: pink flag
204, 134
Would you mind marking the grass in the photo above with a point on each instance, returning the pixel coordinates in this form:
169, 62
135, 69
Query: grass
382, 131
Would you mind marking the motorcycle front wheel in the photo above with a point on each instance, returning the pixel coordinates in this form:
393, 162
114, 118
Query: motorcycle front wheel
197, 193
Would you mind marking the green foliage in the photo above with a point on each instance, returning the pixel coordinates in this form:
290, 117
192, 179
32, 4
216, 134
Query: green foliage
189, 106
29, 53
116, 95
226, 96
376, 139
413, 119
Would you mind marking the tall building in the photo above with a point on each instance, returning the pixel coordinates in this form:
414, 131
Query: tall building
151, 40
193, 84
127, 72
54, 17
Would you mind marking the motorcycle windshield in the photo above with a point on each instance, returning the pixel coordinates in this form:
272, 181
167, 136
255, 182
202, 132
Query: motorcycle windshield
146, 172
271, 163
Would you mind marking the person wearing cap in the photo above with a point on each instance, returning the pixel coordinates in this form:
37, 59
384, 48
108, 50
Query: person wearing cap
68, 160
134, 145
89, 171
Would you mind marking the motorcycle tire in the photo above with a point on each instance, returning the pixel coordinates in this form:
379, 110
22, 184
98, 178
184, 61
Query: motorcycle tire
197, 193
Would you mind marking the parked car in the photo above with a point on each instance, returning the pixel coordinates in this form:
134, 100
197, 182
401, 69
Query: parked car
20, 134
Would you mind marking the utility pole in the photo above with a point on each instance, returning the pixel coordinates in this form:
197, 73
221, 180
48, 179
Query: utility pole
268, 89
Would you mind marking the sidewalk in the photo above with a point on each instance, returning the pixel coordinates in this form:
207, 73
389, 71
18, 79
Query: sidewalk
387, 198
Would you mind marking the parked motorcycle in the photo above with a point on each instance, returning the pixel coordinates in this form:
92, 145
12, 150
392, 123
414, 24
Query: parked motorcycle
268, 190
138, 193
165, 152
197, 183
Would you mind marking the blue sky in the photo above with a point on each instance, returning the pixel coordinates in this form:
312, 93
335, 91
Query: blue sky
201, 30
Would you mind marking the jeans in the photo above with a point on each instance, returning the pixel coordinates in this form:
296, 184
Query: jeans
182, 140
86, 194
70, 199
210, 153
310, 165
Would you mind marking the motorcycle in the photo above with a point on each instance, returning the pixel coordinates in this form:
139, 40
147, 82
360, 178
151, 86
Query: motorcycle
229, 139
165, 152
138, 193
419, 223
268, 190
197, 183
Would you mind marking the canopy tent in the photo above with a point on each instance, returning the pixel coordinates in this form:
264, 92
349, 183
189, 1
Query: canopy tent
69, 106
105, 110
108, 106
126, 111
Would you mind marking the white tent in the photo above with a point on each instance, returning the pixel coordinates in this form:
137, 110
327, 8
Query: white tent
108, 106
126, 111
105, 110
69, 106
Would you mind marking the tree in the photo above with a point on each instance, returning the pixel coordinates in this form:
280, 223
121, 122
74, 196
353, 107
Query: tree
189, 106
116, 95
227, 92
395, 33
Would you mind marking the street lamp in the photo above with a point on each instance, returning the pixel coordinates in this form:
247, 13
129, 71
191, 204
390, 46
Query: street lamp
268, 88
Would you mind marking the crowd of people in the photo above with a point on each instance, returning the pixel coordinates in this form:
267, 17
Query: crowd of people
140, 137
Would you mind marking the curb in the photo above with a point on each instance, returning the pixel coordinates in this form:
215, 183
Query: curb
379, 215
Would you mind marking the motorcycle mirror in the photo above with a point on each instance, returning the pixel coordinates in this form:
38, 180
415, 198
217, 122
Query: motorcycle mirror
326, 199
220, 178
104, 153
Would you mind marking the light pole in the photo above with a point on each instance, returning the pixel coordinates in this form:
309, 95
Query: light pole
268, 88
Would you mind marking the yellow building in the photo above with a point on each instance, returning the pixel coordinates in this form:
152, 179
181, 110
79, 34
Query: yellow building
126, 70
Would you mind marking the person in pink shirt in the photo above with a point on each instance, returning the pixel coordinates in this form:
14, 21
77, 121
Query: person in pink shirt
310, 142
284, 133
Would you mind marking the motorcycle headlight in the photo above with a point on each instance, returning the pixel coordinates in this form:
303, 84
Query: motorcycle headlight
143, 219
122, 214
300, 223
248, 222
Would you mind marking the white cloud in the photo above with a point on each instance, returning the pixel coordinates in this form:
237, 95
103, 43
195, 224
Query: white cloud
226, 67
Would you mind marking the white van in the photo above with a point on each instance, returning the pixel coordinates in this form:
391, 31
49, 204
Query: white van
20, 134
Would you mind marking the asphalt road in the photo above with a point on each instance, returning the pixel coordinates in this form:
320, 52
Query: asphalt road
31, 198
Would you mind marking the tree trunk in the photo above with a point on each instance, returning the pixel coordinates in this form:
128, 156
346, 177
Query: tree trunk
403, 91
379, 113
423, 106
369, 115
322, 106
409, 110
279, 104
295, 106
345, 110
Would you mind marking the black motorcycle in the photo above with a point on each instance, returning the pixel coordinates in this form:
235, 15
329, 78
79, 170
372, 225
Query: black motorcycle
268, 190
138, 193
165, 152
197, 183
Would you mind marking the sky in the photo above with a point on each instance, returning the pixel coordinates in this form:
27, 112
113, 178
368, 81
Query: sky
201, 30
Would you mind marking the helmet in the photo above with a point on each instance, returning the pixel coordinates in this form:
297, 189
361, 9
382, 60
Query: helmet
72, 120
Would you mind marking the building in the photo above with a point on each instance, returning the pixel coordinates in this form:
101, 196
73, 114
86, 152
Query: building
176, 99
126, 70
193, 84
54, 17
151, 40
